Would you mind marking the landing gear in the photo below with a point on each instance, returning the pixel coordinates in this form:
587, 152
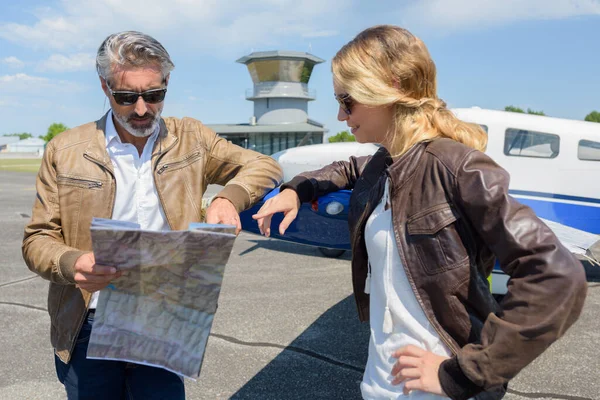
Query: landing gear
331, 253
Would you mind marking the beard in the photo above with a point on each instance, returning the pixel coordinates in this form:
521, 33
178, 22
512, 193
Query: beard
145, 126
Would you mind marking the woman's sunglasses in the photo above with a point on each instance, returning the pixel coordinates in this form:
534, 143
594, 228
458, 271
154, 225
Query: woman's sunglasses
125, 98
345, 102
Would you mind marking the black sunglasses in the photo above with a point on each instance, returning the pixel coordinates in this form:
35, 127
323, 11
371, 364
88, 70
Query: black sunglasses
345, 101
125, 98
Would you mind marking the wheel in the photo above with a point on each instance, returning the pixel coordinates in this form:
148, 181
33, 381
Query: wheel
331, 253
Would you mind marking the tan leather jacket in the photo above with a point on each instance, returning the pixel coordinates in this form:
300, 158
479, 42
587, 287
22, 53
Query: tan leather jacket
76, 182
452, 217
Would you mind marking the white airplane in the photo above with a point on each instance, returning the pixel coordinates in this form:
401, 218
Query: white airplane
554, 166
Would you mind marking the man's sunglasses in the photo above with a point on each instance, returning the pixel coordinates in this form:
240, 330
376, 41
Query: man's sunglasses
125, 98
345, 102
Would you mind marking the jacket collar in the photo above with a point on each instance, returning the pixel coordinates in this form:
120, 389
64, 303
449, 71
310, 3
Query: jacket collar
402, 169
165, 141
96, 149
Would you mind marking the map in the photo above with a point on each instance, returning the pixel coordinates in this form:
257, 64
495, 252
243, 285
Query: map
160, 311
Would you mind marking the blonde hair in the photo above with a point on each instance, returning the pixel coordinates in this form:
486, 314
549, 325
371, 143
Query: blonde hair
387, 66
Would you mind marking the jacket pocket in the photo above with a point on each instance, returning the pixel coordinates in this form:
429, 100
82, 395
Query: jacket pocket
433, 235
80, 182
176, 164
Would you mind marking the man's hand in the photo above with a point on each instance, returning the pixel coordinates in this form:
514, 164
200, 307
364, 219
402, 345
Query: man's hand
222, 211
92, 277
418, 369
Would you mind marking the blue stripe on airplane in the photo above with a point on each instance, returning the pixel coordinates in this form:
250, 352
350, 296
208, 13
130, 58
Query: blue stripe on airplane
554, 196
578, 216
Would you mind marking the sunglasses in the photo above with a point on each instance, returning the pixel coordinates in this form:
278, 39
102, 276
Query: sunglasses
125, 98
345, 101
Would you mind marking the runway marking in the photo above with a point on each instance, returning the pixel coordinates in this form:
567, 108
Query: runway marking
19, 281
547, 395
292, 349
8, 303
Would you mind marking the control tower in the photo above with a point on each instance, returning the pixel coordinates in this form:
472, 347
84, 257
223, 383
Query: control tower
280, 92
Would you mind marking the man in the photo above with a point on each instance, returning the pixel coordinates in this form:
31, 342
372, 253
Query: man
130, 165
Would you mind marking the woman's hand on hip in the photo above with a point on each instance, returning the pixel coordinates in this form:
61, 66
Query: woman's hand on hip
418, 369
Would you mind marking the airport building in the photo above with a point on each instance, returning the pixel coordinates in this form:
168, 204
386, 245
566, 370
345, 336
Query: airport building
280, 95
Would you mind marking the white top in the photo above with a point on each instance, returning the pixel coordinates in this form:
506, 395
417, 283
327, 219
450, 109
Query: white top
389, 288
136, 198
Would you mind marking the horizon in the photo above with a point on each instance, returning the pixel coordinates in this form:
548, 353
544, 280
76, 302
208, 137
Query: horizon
537, 55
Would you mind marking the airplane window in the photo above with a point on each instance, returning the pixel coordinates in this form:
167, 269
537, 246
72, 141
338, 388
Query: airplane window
524, 143
588, 150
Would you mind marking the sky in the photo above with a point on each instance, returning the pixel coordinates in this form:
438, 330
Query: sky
538, 54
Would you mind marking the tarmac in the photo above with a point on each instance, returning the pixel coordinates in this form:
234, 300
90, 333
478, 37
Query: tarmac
286, 327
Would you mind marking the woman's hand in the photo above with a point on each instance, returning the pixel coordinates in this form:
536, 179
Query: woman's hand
418, 369
286, 202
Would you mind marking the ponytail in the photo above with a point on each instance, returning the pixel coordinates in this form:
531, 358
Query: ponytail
429, 118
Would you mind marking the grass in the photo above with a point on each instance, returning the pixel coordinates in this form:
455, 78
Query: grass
20, 164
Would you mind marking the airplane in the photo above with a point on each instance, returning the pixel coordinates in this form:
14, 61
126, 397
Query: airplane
554, 165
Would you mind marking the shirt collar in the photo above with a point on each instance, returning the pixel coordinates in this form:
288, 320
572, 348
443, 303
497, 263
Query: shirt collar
111, 131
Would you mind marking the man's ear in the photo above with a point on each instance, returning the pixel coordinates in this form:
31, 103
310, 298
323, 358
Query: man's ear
167, 79
104, 86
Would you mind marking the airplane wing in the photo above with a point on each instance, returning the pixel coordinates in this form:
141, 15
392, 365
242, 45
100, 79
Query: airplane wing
583, 244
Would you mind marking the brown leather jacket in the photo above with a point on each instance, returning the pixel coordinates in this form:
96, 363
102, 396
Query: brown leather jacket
452, 217
76, 182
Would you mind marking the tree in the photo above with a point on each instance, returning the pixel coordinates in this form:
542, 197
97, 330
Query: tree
530, 111
54, 130
594, 116
343, 136
22, 135
514, 109
520, 110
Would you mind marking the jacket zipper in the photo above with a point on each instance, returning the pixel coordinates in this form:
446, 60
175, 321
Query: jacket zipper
162, 169
90, 184
177, 163
367, 211
442, 336
112, 206
354, 239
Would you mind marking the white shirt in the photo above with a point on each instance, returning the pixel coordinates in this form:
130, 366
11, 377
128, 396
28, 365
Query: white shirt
136, 198
389, 287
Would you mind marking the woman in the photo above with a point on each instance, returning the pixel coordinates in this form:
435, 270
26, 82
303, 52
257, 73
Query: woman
429, 214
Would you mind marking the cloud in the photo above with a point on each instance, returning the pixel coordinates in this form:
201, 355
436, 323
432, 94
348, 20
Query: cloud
21, 78
234, 26
23, 85
13, 62
73, 62
210, 25
56, 33
465, 14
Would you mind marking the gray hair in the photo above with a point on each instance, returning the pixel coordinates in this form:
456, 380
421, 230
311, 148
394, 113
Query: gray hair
131, 49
